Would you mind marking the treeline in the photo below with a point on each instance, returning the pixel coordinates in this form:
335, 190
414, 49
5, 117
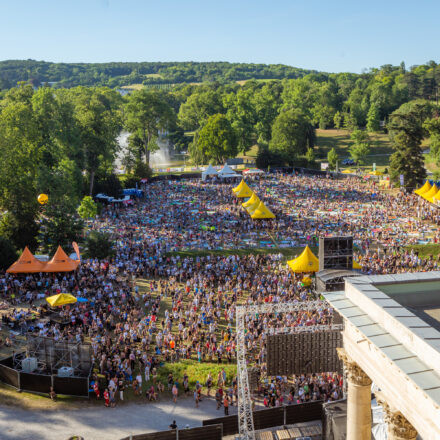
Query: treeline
123, 74
281, 116
63, 142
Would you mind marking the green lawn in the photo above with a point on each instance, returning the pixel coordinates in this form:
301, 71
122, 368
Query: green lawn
340, 141
426, 250
287, 252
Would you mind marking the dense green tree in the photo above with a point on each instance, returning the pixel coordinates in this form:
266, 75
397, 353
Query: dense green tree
432, 125
146, 113
88, 208
290, 134
266, 102
20, 153
198, 108
96, 112
337, 120
60, 225
8, 253
242, 115
373, 118
332, 158
310, 157
406, 134
267, 159
350, 122
217, 140
360, 147
99, 245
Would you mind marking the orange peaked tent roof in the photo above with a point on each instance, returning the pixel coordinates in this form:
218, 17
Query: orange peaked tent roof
27, 263
61, 262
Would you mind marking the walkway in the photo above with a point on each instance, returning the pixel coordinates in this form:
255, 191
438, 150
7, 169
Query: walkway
99, 423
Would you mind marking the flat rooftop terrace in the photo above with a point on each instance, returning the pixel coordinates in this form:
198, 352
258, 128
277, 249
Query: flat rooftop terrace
420, 297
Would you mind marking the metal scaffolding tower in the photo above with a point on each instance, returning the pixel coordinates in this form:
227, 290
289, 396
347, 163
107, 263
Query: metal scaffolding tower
245, 419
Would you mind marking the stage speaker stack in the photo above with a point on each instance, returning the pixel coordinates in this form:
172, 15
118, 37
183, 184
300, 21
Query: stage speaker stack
336, 253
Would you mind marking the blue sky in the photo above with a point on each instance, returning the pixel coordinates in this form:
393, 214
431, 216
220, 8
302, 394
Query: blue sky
330, 36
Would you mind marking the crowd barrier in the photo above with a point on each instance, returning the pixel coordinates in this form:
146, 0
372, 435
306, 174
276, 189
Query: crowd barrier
212, 432
41, 383
272, 417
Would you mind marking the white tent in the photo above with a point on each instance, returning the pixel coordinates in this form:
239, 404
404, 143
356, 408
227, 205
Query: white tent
210, 171
227, 171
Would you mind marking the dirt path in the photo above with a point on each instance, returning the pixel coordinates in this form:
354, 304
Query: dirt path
103, 423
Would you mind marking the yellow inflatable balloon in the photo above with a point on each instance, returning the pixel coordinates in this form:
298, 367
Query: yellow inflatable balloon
43, 199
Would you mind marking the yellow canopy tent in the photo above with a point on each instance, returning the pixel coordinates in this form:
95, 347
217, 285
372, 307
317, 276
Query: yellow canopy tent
431, 193
61, 299
436, 197
356, 265
254, 198
242, 190
252, 208
425, 188
375, 173
306, 281
348, 172
262, 212
306, 262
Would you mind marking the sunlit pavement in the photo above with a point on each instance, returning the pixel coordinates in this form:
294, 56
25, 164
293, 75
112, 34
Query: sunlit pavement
99, 423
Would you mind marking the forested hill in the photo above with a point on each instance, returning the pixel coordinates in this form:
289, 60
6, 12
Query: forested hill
123, 74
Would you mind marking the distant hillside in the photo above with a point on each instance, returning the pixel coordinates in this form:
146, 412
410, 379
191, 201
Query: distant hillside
124, 74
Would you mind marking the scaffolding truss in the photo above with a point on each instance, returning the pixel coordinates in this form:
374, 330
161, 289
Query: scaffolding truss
245, 418
52, 355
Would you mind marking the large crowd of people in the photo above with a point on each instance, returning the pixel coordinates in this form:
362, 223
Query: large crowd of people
152, 305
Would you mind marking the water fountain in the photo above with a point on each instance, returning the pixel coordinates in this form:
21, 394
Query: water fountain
164, 157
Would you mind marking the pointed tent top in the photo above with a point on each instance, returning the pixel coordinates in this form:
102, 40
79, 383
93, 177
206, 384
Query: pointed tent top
239, 186
27, 263
252, 208
227, 171
254, 198
306, 262
243, 190
425, 188
436, 196
431, 193
210, 171
262, 212
60, 262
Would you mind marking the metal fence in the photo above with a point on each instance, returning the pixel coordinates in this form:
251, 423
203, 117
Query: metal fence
41, 383
212, 432
272, 417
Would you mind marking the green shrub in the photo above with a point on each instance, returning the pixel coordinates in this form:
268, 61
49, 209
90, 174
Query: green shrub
99, 245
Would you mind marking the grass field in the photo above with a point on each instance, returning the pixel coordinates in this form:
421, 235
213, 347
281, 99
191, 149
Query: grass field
340, 141
287, 252
133, 87
426, 250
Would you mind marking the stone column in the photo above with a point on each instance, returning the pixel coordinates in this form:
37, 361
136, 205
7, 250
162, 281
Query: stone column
398, 426
358, 399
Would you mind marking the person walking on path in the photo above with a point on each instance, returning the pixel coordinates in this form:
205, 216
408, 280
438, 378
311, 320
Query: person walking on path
196, 397
175, 392
226, 405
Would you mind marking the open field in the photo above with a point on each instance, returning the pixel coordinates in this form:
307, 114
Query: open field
287, 252
426, 250
340, 141
133, 87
